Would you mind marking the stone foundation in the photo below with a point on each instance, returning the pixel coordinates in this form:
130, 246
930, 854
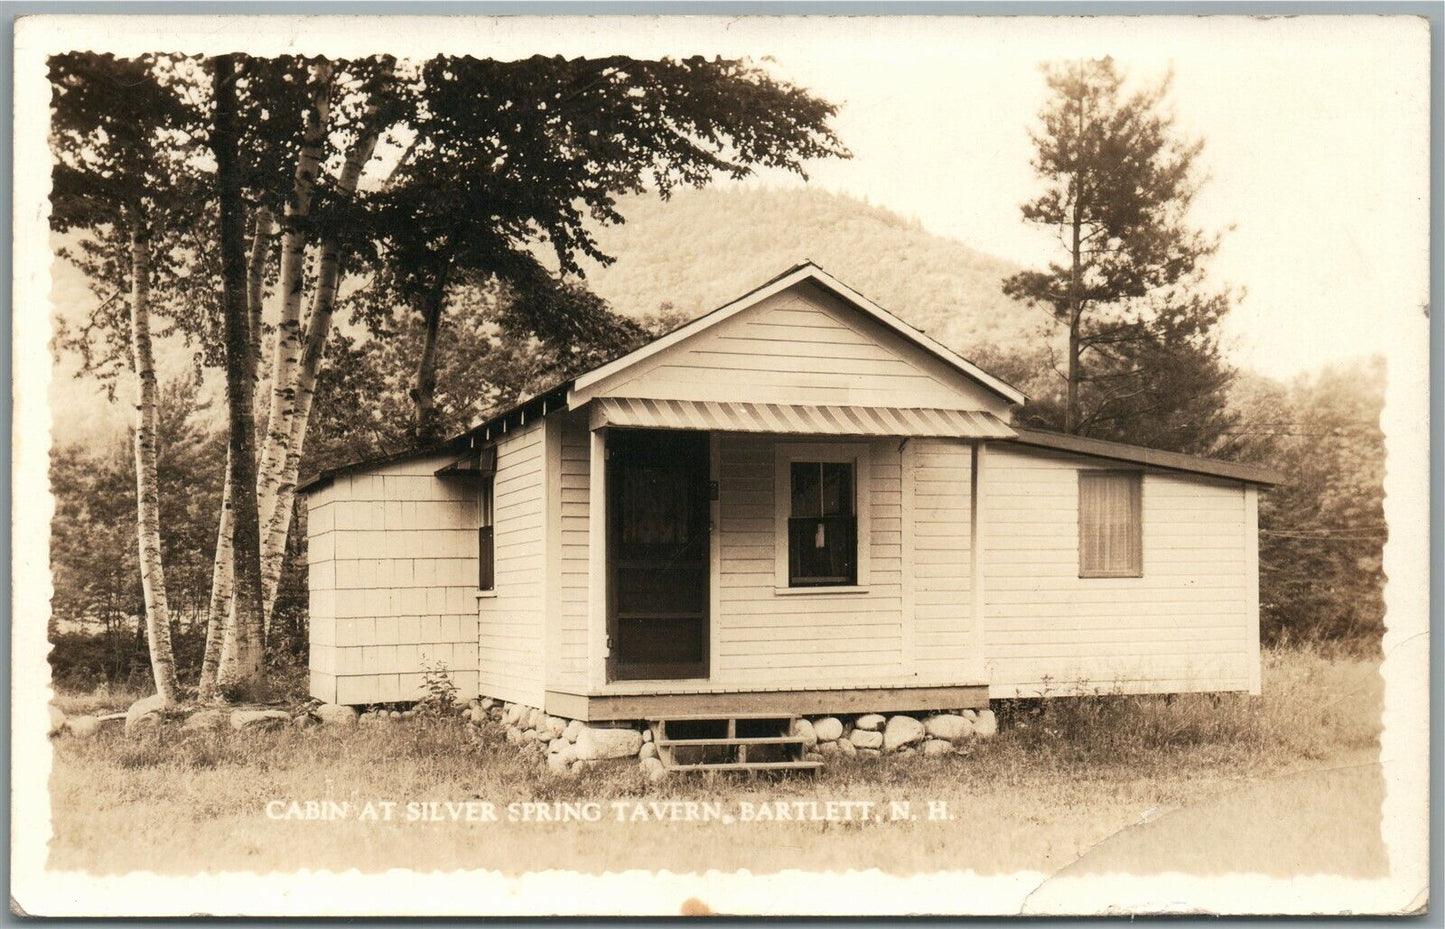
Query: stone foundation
570, 745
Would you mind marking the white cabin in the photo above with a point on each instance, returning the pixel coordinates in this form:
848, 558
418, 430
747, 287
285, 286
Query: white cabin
794, 504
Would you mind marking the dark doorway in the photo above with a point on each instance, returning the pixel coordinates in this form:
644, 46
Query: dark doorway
658, 530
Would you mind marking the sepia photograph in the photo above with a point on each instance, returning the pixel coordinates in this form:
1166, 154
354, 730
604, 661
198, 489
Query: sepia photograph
683, 465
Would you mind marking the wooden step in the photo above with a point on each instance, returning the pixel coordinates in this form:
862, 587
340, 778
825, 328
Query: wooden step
735, 740
720, 717
750, 766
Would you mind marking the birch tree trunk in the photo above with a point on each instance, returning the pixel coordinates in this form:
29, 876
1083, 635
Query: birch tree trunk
277, 521
241, 660
218, 615
286, 352
148, 514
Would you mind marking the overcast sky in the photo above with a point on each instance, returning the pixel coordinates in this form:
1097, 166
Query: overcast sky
1316, 132
1316, 145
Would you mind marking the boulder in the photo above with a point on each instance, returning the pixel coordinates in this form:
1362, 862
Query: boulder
574, 729
870, 753
937, 747
948, 726
334, 714
57, 719
514, 735
82, 727
536, 719
866, 738
649, 750
554, 726
653, 769
206, 719
872, 722
595, 743
556, 745
558, 764
509, 713
845, 748
969, 715
812, 756
829, 748
647, 734
533, 735
486, 703
144, 715
259, 719
478, 716
901, 731
569, 752
987, 724
396, 714
828, 729
804, 729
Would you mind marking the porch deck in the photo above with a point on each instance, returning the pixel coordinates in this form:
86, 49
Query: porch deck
623, 705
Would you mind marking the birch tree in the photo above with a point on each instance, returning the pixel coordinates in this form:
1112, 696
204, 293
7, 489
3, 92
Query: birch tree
122, 188
281, 461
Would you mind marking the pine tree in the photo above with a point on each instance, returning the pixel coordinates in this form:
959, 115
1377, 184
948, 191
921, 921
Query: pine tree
1128, 288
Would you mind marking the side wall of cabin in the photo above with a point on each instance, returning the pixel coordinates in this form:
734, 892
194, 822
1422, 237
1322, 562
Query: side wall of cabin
392, 557
1190, 623
510, 633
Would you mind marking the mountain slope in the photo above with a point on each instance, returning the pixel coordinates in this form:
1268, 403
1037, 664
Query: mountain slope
703, 248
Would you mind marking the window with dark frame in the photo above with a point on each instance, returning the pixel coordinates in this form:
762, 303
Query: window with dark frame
1111, 532
486, 540
822, 525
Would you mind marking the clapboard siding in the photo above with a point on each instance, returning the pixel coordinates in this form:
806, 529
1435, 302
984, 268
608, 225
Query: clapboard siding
510, 632
575, 467
392, 562
1182, 626
804, 346
771, 640
943, 641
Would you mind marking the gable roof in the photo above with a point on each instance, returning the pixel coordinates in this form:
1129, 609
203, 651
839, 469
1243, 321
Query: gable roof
574, 392
806, 271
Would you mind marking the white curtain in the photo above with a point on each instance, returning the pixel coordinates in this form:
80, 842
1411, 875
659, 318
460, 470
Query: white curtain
1110, 537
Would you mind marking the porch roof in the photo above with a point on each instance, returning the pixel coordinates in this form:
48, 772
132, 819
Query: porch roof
797, 419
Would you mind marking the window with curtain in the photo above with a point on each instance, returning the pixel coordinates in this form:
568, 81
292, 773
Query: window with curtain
1111, 533
486, 541
822, 525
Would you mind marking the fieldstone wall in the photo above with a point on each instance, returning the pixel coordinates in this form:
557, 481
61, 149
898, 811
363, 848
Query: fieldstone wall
872, 735
570, 745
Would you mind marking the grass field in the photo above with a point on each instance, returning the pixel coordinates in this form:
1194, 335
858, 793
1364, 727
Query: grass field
1286, 783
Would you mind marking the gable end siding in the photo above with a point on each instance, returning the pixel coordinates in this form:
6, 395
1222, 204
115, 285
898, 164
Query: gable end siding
804, 346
